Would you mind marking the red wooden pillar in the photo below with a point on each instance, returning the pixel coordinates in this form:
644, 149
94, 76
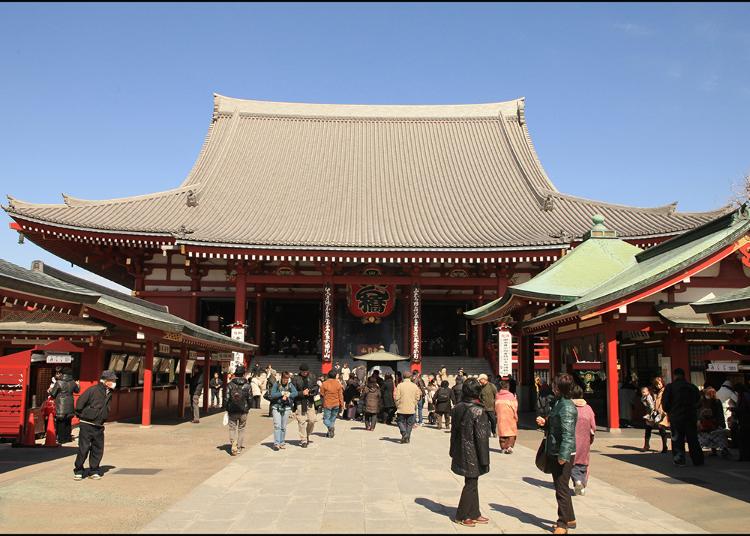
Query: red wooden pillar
502, 283
405, 320
206, 379
677, 349
258, 320
613, 399
327, 328
92, 365
480, 327
148, 384
552, 350
240, 296
181, 383
416, 328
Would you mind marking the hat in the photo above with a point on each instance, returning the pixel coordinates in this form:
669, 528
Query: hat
483, 377
109, 376
239, 370
303, 367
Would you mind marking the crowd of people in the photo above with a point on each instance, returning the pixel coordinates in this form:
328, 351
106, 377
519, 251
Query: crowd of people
472, 409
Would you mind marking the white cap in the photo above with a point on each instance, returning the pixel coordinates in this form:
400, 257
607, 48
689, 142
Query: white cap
483, 377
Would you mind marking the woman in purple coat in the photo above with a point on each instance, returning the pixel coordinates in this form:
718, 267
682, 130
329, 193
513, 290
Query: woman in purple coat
585, 430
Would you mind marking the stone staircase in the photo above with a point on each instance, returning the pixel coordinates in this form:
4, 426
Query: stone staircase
430, 364
471, 365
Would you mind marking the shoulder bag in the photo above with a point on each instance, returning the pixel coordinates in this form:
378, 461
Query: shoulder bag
542, 460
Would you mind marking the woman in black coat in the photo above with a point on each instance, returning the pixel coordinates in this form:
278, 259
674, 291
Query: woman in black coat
444, 400
470, 451
62, 391
389, 404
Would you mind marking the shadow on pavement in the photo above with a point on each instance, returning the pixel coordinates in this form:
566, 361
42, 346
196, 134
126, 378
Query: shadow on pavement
227, 447
522, 516
436, 507
728, 477
627, 447
391, 439
171, 419
17, 458
538, 483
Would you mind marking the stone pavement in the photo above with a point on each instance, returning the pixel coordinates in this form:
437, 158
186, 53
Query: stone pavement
367, 482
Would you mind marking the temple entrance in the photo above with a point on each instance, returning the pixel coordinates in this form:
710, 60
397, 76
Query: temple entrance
292, 327
445, 331
356, 336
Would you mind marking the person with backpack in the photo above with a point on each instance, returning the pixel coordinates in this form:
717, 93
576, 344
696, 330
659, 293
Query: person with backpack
444, 399
62, 392
237, 404
373, 402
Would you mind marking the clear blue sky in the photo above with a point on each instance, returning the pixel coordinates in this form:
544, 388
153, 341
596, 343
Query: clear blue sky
631, 103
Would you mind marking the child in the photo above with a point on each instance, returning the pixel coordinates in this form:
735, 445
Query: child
585, 430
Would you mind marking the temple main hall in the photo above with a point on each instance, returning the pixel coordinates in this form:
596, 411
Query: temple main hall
336, 229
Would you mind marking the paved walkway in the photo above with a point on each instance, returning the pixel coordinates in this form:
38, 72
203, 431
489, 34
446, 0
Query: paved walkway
367, 482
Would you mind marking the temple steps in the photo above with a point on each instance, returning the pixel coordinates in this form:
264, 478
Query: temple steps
430, 364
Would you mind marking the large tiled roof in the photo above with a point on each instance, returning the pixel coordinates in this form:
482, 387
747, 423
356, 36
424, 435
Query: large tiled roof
317, 176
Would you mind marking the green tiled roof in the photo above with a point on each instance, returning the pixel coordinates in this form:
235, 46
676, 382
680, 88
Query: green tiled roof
40, 284
684, 316
735, 301
596, 260
668, 259
53, 283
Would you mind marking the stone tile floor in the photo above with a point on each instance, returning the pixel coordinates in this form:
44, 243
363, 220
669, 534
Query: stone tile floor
367, 482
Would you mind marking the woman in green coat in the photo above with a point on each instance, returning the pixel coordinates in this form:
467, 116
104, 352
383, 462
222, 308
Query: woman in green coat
560, 427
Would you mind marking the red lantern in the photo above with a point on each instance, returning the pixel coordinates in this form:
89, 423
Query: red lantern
371, 300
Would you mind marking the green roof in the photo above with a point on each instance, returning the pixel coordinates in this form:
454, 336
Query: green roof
36, 283
596, 260
738, 300
682, 315
659, 263
50, 282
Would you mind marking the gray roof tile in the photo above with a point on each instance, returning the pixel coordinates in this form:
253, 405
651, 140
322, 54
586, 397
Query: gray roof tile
353, 176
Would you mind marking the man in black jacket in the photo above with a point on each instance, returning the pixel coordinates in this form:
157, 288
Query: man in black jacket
470, 451
680, 400
62, 391
92, 409
237, 404
304, 410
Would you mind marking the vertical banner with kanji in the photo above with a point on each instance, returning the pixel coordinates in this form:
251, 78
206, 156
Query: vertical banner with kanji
505, 353
416, 324
238, 358
327, 336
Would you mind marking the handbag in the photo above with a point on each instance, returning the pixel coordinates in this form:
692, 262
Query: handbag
542, 460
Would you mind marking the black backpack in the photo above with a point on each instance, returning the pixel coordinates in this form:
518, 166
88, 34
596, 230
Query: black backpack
443, 395
237, 400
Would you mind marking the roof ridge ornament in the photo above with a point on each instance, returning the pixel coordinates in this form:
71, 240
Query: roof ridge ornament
672, 208
549, 203
521, 110
598, 229
182, 232
11, 202
192, 199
